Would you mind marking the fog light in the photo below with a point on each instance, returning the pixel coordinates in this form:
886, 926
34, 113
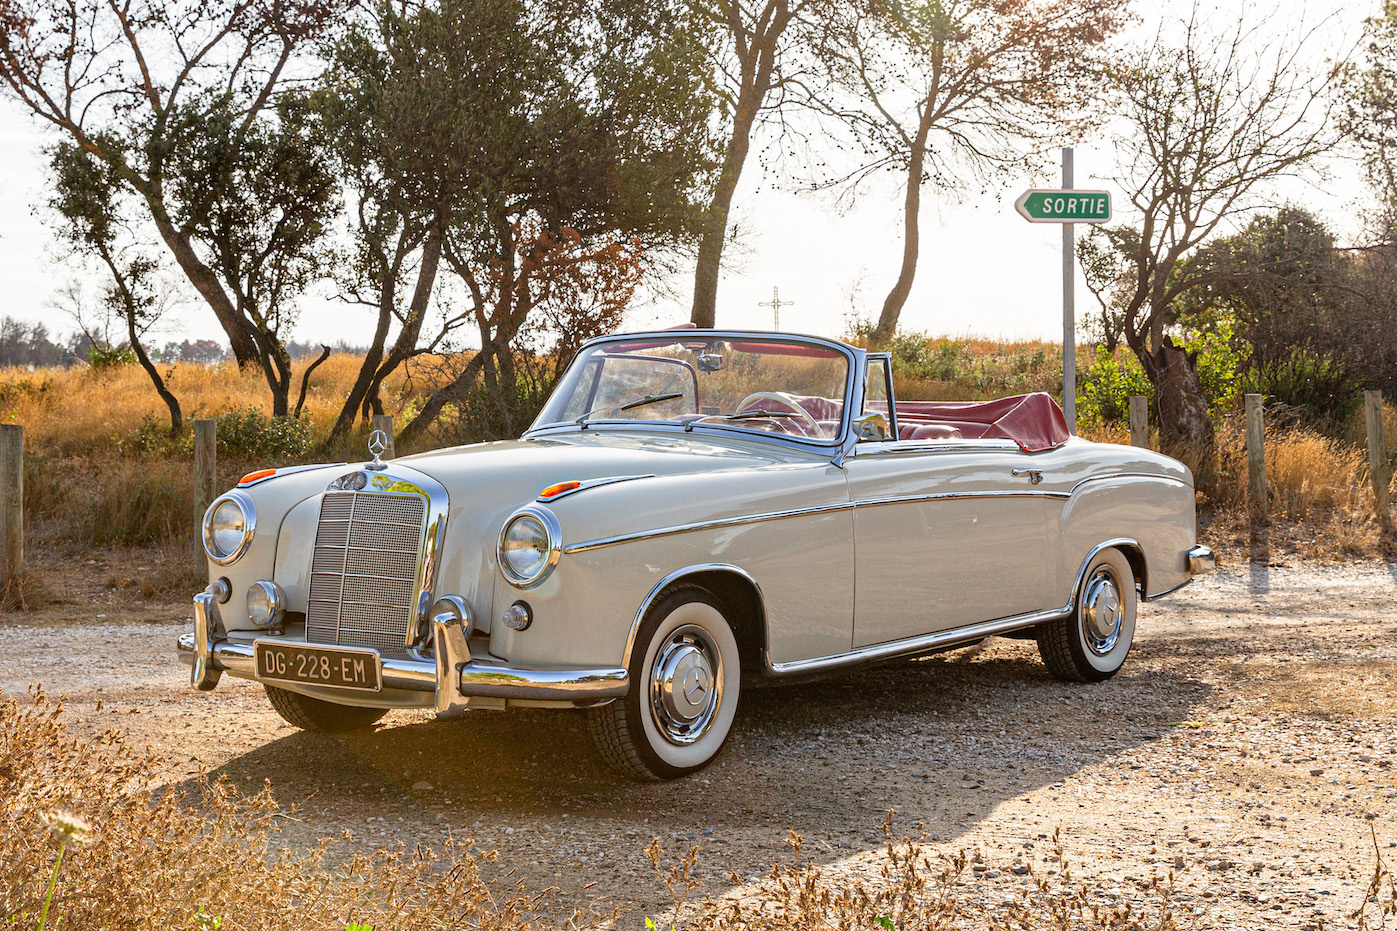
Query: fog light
266, 604
518, 616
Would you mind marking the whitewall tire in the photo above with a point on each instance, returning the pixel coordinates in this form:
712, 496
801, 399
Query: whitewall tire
685, 680
1091, 643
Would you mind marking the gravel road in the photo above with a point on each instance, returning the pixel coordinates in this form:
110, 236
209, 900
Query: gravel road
1247, 747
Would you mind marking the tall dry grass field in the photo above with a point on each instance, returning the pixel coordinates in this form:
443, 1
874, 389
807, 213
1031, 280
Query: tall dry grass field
81, 411
100, 471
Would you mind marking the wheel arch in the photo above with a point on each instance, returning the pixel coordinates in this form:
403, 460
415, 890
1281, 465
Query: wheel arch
1134, 554
735, 589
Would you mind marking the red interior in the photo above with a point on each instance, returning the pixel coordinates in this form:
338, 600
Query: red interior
1034, 421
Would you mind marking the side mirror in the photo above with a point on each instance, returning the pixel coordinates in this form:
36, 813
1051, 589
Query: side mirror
871, 427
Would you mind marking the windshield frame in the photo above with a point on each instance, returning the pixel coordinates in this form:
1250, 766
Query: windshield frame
853, 358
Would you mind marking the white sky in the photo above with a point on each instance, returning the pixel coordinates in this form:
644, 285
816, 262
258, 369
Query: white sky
983, 270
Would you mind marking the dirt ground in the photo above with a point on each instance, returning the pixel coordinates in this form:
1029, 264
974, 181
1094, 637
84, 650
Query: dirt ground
1247, 747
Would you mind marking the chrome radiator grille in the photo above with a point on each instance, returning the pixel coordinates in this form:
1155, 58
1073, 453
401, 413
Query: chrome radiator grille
363, 582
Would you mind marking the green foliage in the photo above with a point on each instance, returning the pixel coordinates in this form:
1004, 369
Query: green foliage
1322, 390
105, 358
1107, 385
1219, 364
250, 434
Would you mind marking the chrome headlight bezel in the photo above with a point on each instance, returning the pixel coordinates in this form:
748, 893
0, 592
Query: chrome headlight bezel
551, 532
243, 502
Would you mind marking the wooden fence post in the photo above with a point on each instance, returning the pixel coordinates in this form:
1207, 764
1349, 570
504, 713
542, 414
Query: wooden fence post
205, 482
1256, 454
384, 422
12, 500
1139, 422
1377, 449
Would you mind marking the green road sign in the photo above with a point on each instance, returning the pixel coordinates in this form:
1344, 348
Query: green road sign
1074, 206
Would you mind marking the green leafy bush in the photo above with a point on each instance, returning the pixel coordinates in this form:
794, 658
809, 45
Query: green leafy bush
250, 434
1106, 386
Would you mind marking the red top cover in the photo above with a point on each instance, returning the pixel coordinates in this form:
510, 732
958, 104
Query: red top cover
1034, 421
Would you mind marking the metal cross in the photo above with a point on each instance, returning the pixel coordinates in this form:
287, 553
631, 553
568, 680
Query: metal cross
776, 304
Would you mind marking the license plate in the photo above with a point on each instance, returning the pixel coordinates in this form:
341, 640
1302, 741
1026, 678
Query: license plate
333, 667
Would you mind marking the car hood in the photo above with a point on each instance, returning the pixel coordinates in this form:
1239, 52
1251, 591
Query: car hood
515, 471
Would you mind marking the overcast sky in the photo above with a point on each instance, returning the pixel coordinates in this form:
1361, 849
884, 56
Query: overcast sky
983, 270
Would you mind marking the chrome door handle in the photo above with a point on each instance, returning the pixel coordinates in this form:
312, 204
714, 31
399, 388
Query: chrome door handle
1034, 475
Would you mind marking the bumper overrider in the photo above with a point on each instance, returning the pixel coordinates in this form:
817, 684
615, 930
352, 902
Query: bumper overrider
448, 672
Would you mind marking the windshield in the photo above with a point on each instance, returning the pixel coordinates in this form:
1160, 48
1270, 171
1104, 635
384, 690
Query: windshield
760, 384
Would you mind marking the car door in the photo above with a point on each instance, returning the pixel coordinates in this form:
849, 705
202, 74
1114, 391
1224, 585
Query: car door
947, 533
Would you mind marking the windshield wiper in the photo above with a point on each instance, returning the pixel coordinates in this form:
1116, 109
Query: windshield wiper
633, 403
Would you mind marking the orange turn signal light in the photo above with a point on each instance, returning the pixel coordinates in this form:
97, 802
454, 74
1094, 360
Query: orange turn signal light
552, 491
254, 476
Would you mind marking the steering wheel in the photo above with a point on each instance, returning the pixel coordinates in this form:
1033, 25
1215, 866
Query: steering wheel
785, 400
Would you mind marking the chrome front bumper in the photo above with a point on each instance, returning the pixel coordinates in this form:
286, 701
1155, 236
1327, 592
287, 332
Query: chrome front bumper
1201, 559
451, 674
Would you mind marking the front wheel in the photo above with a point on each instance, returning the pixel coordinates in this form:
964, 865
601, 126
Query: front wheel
1091, 643
312, 714
685, 679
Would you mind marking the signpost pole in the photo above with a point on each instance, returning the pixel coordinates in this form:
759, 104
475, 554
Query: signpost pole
1069, 315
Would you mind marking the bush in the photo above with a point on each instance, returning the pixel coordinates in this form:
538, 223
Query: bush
1106, 387
247, 433
1320, 389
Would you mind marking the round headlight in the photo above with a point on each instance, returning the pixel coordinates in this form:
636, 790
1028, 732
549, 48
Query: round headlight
266, 604
529, 546
228, 527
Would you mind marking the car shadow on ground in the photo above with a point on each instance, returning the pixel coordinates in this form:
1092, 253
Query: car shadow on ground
943, 740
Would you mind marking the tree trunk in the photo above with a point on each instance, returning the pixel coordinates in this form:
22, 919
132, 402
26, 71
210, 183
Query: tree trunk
1186, 429
364, 394
171, 402
715, 219
911, 240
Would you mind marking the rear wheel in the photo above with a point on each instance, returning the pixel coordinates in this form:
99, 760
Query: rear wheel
313, 714
685, 679
1091, 643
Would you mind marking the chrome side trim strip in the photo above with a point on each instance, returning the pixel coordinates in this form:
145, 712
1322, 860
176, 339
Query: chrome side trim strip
915, 447
945, 495
920, 644
799, 512
477, 678
703, 525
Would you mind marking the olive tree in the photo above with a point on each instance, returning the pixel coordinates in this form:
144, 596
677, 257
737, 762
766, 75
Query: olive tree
949, 91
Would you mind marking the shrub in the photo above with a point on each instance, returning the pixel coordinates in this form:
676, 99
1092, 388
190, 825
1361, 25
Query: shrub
1320, 389
1107, 386
247, 433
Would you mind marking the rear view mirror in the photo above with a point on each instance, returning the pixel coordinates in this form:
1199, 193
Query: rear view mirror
710, 362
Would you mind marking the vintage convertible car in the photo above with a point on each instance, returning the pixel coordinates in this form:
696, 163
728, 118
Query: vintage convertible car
691, 507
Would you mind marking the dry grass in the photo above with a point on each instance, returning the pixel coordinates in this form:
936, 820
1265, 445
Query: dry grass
157, 860
93, 476
912, 888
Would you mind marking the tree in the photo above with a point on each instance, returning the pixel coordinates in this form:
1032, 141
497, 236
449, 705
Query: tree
161, 92
504, 138
950, 90
1370, 113
86, 196
756, 68
1210, 123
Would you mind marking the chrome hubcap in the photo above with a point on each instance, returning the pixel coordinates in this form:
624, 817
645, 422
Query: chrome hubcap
1101, 612
686, 684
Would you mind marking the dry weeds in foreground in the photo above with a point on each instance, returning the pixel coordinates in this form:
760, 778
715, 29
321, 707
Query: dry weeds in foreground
153, 860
